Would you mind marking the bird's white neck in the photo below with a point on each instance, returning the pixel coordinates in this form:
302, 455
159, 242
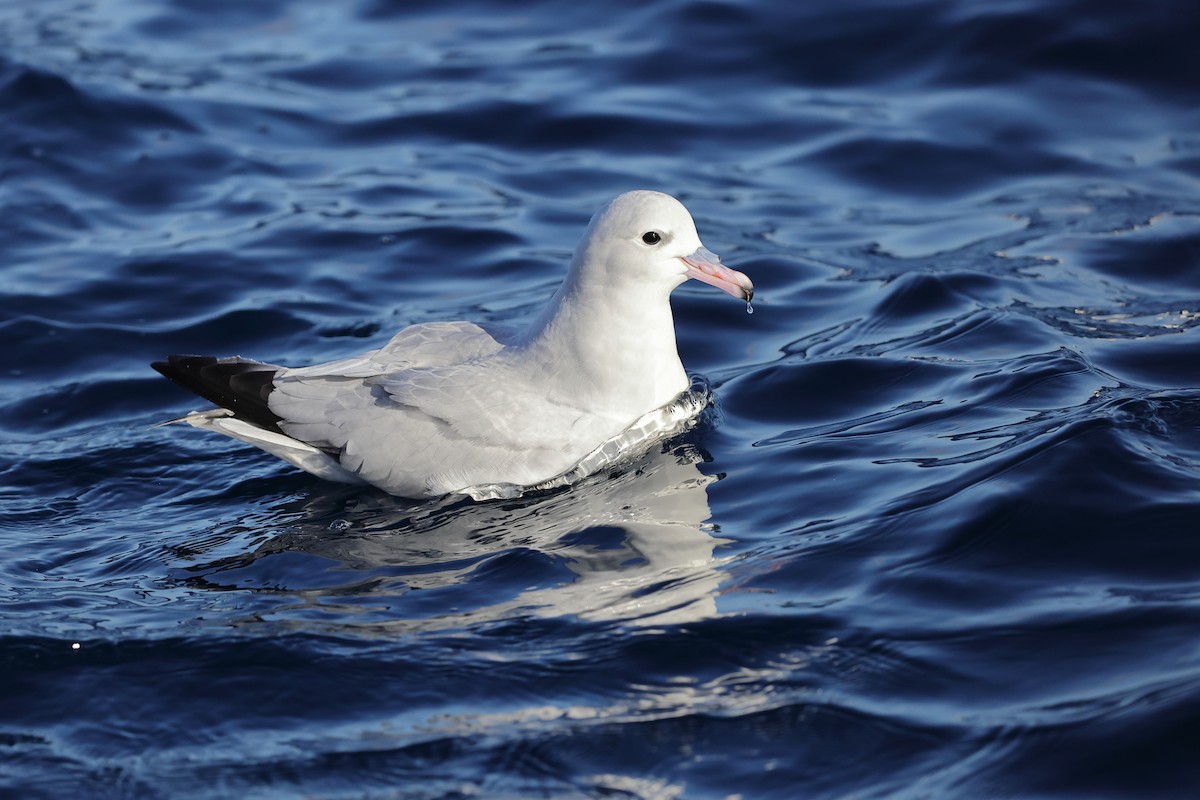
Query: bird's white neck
610, 343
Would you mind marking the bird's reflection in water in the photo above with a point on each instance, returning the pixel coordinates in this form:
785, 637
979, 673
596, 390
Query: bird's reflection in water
630, 545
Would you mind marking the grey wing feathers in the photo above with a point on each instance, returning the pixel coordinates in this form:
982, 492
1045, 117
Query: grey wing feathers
325, 404
429, 344
341, 407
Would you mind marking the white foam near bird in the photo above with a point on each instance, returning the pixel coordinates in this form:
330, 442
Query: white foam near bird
449, 407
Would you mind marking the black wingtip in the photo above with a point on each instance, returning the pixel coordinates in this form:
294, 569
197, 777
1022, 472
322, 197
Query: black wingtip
238, 384
178, 367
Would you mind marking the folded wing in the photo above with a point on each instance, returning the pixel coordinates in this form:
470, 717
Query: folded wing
435, 410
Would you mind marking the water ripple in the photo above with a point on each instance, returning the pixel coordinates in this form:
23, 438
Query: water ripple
934, 538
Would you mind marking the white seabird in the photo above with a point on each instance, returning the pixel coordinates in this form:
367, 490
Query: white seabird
447, 407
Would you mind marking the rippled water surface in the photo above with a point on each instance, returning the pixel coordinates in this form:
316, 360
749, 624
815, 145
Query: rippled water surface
937, 537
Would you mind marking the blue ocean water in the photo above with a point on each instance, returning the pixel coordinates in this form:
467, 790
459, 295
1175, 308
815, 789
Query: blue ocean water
936, 538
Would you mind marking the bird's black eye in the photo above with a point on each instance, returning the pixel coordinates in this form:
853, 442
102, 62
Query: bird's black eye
651, 237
